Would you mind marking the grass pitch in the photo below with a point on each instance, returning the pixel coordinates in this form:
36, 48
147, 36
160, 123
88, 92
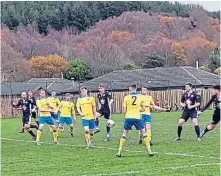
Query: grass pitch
20, 155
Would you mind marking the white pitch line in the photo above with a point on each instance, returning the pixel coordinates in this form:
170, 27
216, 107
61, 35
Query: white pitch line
149, 170
115, 149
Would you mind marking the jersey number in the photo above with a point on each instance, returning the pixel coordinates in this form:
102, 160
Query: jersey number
135, 99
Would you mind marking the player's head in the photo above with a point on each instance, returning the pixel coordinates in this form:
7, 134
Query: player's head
144, 90
133, 88
101, 88
24, 95
68, 96
42, 93
84, 91
188, 87
30, 93
53, 94
216, 89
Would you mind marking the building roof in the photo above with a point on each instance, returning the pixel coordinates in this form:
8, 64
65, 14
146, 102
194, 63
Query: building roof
154, 78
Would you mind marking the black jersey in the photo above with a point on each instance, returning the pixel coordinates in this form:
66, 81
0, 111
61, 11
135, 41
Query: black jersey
193, 97
216, 102
104, 99
33, 102
25, 104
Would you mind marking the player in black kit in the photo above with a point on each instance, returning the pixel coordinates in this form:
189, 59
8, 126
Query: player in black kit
104, 104
216, 113
33, 106
25, 105
190, 101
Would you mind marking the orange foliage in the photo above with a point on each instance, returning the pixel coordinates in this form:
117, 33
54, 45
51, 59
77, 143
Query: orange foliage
179, 53
166, 20
48, 66
121, 35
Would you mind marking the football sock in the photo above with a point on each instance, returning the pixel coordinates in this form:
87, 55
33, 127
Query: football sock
50, 128
179, 130
140, 136
122, 142
86, 135
146, 141
55, 135
91, 136
34, 126
149, 134
71, 129
59, 130
204, 132
37, 122
197, 130
38, 135
108, 130
31, 133
97, 123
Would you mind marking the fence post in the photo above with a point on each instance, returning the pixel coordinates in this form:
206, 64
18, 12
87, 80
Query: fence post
12, 110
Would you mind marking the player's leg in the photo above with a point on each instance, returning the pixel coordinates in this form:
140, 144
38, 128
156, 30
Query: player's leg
51, 123
195, 123
143, 118
148, 131
140, 127
69, 121
123, 140
107, 117
23, 124
61, 125
34, 116
85, 124
98, 114
183, 118
40, 127
91, 130
214, 120
27, 121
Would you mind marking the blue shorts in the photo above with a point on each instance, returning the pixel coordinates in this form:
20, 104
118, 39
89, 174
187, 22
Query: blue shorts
146, 118
89, 123
128, 123
46, 119
67, 120
54, 115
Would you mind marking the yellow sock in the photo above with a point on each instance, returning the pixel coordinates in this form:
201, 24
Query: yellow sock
59, 131
146, 141
50, 129
91, 136
87, 137
122, 142
55, 136
149, 134
38, 135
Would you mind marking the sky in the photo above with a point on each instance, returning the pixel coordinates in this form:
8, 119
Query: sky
208, 5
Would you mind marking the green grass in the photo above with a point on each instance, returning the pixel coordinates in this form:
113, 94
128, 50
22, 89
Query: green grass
22, 157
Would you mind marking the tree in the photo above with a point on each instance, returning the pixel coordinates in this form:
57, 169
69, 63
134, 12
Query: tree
49, 66
131, 66
218, 71
214, 61
153, 60
205, 68
78, 70
179, 54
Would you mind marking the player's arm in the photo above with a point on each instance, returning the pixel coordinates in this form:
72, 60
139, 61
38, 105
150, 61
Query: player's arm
40, 109
182, 103
156, 107
124, 107
198, 101
14, 104
207, 105
79, 108
58, 102
73, 112
58, 108
111, 99
99, 104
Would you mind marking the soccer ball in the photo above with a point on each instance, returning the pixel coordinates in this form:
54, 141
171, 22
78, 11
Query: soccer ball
110, 123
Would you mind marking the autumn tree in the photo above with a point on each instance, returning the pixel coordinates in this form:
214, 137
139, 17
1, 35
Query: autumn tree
218, 71
179, 54
49, 66
131, 66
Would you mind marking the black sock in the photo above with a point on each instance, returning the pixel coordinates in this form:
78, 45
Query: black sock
37, 122
97, 122
31, 133
204, 131
197, 130
34, 126
179, 130
108, 129
71, 129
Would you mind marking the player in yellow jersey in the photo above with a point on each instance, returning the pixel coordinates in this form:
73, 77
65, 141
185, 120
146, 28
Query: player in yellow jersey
146, 116
132, 106
54, 102
44, 110
67, 112
86, 107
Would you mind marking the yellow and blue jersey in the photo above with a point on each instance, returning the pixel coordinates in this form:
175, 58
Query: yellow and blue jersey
43, 104
66, 109
133, 103
147, 100
54, 102
86, 105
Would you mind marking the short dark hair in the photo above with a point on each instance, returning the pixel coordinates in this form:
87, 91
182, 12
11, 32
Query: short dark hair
217, 87
84, 87
189, 84
101, 85
134, 86
145, 87
30, 91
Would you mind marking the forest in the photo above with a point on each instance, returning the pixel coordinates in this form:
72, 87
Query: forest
89, 39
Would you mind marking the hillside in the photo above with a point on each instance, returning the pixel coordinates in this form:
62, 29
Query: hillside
146, 39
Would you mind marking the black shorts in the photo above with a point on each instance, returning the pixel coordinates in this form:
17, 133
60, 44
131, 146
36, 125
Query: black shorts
215, 117
26, 119
105, 113
189, 114
34, 115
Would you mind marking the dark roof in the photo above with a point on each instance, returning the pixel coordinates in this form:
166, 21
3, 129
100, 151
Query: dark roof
174, 77
52, 84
